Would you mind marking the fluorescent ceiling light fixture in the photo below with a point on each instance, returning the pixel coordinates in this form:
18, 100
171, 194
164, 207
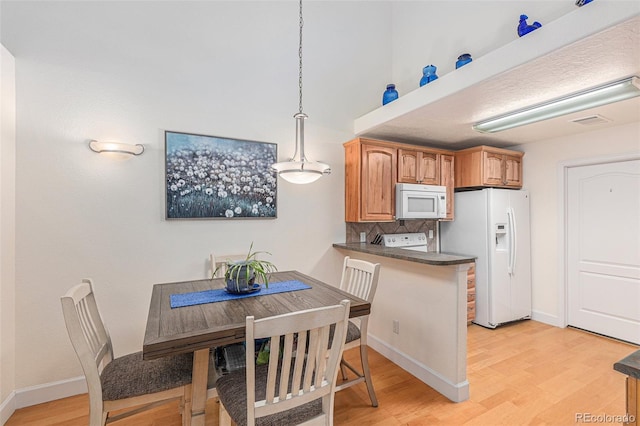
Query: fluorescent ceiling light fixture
597, 96
115, 147
299, 169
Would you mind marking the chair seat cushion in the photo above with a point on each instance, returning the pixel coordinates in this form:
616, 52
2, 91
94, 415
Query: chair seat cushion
232, 392
130, 375
353, 332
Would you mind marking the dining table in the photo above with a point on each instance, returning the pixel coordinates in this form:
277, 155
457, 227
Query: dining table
194, 325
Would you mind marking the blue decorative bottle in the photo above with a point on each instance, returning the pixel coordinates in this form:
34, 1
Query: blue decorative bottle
463, 59
391, 94
428, 74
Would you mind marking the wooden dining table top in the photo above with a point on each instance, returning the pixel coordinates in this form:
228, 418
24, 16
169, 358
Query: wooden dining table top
172, 331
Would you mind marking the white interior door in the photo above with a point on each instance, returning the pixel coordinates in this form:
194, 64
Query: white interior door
603, 258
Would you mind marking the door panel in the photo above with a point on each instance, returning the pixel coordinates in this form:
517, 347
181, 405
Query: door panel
499, 280
521, 277
603, 249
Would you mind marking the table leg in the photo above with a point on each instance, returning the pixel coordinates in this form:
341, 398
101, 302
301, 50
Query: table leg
199, 386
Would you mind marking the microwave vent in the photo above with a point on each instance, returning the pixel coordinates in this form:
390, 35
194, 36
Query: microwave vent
592, 119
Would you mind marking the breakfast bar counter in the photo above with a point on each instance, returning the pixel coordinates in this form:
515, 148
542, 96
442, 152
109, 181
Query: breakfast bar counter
418, 317
430, 258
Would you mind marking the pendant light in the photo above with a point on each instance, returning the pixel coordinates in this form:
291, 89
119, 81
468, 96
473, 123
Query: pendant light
298, 169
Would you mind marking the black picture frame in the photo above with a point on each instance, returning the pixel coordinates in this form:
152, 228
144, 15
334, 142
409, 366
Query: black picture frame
212, 177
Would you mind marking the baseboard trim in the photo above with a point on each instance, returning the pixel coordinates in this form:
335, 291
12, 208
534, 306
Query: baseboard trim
456, 392
546, 318
7, 408
49, 392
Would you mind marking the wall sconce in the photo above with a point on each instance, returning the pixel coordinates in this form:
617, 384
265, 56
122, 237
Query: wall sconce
595, 97
116, 147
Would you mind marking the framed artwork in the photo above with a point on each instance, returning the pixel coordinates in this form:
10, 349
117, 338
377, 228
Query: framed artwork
209, 177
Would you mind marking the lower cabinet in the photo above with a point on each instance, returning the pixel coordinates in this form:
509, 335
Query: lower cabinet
471, 293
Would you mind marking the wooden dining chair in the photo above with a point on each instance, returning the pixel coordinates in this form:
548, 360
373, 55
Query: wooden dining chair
127, 382
359, 278
297, 386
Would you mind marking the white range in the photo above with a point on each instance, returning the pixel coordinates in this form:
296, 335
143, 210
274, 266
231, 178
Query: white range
416, 241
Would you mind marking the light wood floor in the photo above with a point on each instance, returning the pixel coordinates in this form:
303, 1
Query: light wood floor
527, 373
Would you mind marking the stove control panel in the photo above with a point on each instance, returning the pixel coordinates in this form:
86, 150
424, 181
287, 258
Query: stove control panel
405, 240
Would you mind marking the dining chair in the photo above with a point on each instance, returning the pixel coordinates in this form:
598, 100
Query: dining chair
126, 382
297, 385
359, 278
219, 264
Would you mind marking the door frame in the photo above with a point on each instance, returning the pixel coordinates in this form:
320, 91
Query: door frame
563, 246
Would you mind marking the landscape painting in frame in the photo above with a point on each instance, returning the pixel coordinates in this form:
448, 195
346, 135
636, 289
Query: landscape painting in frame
221, 178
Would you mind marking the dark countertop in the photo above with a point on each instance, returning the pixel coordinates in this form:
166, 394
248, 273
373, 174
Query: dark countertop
629, 365
431, 258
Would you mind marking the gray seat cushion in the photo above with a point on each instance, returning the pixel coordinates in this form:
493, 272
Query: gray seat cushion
232, 392
353, 332
130, 375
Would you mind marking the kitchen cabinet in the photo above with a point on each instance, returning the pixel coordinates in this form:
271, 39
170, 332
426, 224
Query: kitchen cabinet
418, 167
370, 180
447, 174
471, 293
373, 167
486, 166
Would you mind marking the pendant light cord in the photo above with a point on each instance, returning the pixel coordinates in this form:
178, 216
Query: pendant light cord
300, 58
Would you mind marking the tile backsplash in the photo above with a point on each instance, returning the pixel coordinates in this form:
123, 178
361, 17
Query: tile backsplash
353, 230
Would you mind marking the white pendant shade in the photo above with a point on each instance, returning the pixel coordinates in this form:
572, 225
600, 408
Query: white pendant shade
301, 172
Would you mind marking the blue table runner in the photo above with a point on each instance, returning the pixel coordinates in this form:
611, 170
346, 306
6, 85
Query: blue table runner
220, 295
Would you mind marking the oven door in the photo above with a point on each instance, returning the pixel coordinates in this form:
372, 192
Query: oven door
417, 205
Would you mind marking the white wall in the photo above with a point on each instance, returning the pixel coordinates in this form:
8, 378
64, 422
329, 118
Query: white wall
437, 32
127, 71
7, 224
542, 161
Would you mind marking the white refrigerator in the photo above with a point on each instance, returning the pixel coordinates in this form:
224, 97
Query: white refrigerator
493, 225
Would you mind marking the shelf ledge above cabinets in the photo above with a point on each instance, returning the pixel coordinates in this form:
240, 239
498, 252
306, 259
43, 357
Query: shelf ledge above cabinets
589, 46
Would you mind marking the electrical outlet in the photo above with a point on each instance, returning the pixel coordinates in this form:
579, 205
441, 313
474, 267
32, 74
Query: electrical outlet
430, 233
396, 326
363, 237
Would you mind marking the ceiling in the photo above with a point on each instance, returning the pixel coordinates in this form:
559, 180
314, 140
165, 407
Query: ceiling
606, 56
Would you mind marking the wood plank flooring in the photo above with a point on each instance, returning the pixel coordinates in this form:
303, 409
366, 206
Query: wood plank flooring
526, 373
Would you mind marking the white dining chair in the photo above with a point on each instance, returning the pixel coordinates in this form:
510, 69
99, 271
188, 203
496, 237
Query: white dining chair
219, 264
359, 278
126, 382
297, 386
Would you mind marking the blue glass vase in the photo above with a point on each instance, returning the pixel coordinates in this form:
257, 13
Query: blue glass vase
391, 94
463, 59
428, 75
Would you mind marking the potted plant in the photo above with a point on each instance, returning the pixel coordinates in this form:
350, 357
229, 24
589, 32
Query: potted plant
241, 275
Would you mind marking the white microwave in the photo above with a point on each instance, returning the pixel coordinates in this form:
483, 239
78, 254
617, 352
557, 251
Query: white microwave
415, 201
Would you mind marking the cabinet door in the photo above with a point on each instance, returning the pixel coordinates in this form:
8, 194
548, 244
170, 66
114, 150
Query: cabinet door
512, 171
418, 167
492, 168
407, 166
378, 183
428, 168
447, 174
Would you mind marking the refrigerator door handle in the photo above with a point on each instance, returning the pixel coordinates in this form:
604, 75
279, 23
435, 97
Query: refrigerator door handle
513, 238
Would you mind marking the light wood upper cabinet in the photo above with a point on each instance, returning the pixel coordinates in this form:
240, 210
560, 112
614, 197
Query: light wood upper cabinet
488, 166
447, 173
418, 167
370, 181
373, 167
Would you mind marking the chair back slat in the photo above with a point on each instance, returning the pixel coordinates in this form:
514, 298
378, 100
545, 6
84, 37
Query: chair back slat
311, 373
